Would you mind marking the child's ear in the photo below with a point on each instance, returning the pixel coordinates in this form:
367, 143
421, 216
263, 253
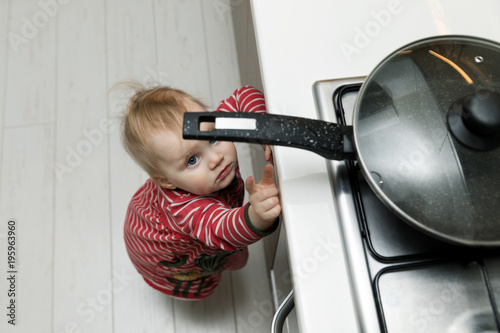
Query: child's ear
164, 182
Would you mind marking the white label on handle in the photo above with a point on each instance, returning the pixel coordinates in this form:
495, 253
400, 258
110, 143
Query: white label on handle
236, 123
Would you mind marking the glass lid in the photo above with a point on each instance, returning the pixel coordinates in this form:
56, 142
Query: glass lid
427, 134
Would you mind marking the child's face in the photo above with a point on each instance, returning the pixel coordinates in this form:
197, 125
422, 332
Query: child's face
199, 167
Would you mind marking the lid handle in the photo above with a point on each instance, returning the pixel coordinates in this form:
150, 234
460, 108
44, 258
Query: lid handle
475, 120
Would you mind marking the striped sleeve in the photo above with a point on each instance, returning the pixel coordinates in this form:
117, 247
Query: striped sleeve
245, 99
209, 220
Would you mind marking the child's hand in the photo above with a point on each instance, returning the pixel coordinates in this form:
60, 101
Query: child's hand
264, 200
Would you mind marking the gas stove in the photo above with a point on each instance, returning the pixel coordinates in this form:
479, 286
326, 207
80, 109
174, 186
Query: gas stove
403, 280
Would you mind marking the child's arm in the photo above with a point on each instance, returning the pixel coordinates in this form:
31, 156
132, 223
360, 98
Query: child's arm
211, 220
264, 200
245, 99
215, 224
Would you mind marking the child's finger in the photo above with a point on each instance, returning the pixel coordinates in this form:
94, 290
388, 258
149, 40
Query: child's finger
275, 211
270, 208
268, 154
270, 203
250, 184
268, 175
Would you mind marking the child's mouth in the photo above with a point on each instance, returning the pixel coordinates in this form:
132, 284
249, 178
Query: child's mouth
224, 172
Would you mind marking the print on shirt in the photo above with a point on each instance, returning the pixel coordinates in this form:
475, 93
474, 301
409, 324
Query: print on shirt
178, 261
209, 264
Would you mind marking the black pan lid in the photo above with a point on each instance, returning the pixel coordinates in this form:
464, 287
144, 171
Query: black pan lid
427, 133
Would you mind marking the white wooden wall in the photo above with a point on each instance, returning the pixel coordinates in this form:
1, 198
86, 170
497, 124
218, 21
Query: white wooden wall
66, 180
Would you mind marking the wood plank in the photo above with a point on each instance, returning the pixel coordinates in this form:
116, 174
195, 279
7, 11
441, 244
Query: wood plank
189, 316
131, 42
26, 194
4, 49
251, 68
182, 53
132, 54
26, 191
221, 49
239, 17
83, 274
252, 294
211, 315
219, 307
244, 35
31, 67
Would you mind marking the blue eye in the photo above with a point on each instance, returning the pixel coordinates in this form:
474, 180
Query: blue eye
212, 142
192, 161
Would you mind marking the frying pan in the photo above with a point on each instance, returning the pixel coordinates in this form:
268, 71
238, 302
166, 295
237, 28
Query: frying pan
426, 135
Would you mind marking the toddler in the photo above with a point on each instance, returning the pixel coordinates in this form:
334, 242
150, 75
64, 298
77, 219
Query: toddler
187, 224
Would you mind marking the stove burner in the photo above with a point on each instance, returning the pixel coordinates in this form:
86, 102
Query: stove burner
418, 283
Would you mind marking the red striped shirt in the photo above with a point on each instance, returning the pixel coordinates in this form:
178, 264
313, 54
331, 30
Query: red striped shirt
180, 242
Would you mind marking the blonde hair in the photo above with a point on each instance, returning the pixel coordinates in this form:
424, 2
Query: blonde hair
151, 110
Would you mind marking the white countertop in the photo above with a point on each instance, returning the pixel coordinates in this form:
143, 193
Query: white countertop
300, 42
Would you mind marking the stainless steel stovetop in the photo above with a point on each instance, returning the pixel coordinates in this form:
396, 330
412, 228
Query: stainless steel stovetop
403, 280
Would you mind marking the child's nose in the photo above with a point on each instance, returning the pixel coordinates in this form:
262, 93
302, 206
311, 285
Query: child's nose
215, 159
